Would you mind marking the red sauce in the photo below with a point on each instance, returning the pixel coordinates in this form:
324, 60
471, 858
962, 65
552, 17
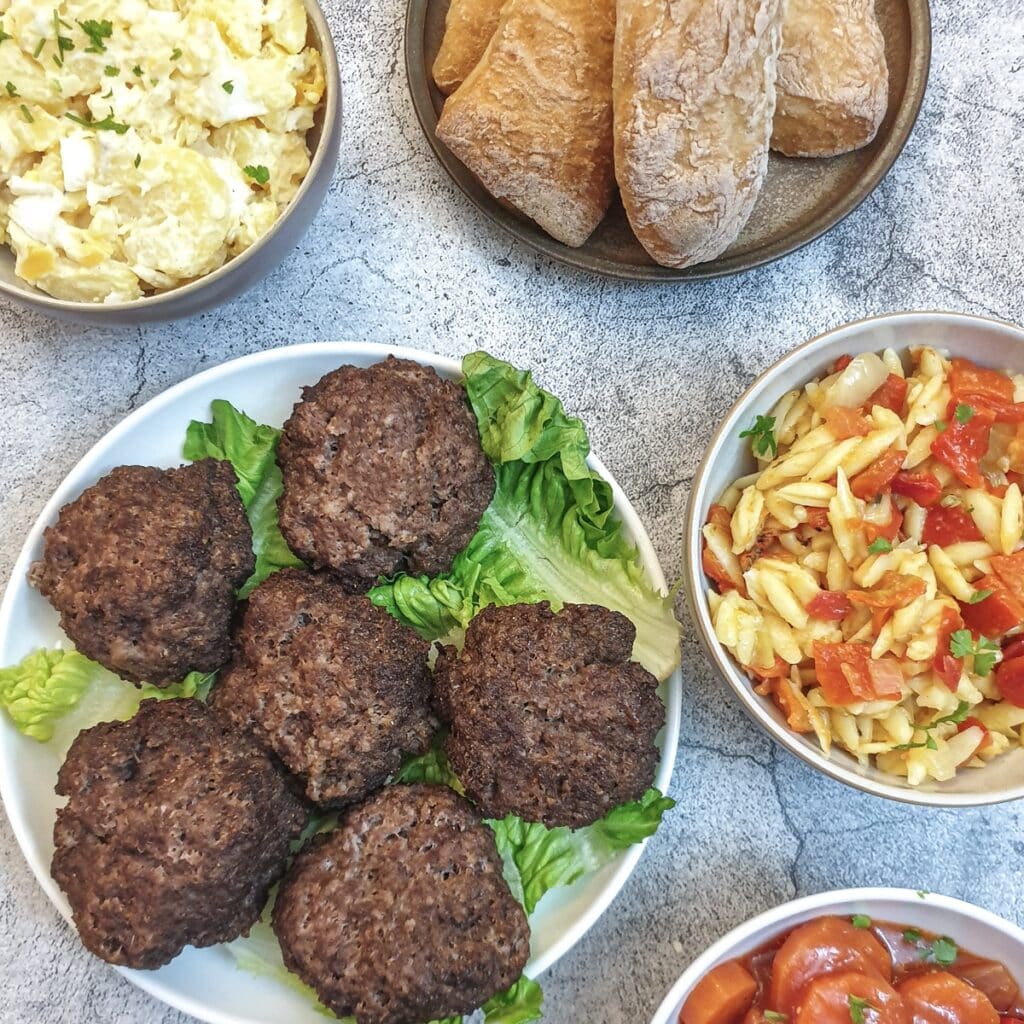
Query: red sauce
853, 971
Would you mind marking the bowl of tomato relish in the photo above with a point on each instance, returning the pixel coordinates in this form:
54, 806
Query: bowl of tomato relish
859, 956
855, 556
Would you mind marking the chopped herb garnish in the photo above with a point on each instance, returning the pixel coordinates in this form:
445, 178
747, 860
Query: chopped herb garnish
137, 70
985, 652
956, 718
97, 31
108, 124
258, 174
980, 595
138, 159
228, 87
942, 951
880, 546
12, 89
27, 114
107, 95
912, 935
39, 48
176, 53
858, 1008
941, 425
111, 72
964, 414
923, 894
860, 921
762, 436
773, 1016
64, 43
4, 36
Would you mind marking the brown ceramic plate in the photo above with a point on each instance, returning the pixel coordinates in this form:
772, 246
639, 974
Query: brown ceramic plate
801, 200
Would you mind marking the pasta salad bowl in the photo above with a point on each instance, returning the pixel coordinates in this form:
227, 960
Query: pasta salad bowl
853, 550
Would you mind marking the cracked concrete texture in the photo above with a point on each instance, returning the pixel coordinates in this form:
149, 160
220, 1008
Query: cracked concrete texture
399, 256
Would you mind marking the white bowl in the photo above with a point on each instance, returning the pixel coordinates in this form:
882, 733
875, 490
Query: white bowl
973, 929
988, 342
243, 271
205, 982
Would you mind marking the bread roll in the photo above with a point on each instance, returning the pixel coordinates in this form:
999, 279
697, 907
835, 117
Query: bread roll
468, 29
533, 121
694, 99
833, 79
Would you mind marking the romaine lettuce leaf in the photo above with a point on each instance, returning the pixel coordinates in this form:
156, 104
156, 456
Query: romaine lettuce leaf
518, 1005
47, 685
251, 448
549, 534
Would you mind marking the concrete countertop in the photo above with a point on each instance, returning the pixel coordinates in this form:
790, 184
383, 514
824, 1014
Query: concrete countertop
398, 256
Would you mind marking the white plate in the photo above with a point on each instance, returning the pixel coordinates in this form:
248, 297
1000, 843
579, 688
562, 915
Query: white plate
975, 930
206, 983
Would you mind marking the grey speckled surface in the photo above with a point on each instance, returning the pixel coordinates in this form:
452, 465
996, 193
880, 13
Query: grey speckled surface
397, 256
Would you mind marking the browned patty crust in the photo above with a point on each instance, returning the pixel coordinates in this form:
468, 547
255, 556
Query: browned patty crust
334, 686
175, 829
383, 473
143, 568
402, 914
549, 719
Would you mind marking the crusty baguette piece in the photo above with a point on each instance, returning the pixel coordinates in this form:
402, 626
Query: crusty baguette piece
694, 99
533, 121
833, 79
468, 29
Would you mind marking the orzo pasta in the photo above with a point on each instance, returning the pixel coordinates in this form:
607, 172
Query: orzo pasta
869, 577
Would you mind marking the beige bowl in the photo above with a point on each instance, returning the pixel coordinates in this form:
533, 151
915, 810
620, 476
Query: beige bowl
243, 271
989, 343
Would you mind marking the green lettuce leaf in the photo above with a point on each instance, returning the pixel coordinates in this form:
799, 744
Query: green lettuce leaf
544, 858
519, 1005
432, 766
48, 685
549, 534
251, 448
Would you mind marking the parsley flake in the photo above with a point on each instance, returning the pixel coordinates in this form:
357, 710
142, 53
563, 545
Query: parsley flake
942, 951
27, 114
860, 921
762, 436
4, 36
97, 31
912, 935
228, 87
880, 546
941, 425
12, 89
964, 414
108, 124
985, 652
111, 71
64, 43
137, 70
138, 159
956, 718
980, 595
176, 53
258, 174
859, 1008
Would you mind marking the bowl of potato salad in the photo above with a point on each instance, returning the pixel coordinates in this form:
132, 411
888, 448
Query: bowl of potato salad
158, 156
855, 550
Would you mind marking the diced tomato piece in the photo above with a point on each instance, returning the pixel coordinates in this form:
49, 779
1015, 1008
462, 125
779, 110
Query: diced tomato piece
972, 383
962, 446
997, 614
842, 363
845, 674
779, 669
949, 668
796, 714
923, 488
830, 605
886, 677
719, 515
945, 526
893, 590
890, 530
845, 422
722, 996
817, 518
1010, 569
869, 484
891, 395
1010, 680
714, 570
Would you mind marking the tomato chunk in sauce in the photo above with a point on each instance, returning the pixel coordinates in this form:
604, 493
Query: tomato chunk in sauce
837, 970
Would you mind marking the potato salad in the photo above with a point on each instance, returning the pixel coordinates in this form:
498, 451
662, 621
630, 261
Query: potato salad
144, 143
